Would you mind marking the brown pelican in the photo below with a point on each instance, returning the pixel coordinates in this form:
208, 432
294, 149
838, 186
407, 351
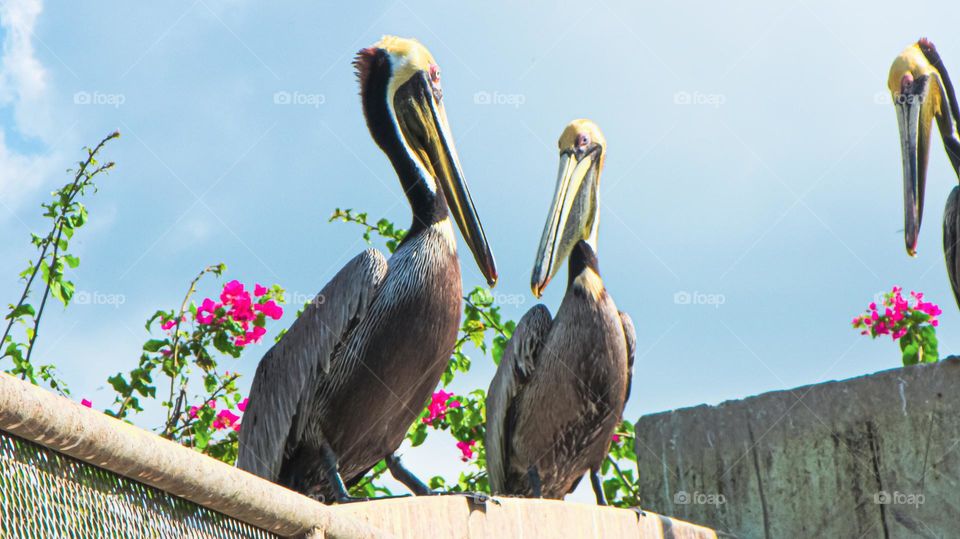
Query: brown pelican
560, 389
339, 391
922, 91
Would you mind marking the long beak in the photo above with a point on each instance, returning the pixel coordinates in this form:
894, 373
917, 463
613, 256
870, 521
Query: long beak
425, 127
915, 150
572, 215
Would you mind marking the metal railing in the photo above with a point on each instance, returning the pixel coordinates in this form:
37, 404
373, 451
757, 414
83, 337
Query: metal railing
67, 471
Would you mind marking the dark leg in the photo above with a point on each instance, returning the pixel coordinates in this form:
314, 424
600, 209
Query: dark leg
405, 476
535, 486
329, 460
597, 487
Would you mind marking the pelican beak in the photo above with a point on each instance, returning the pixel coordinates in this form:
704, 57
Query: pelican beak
914, 120
573, 213
423, 122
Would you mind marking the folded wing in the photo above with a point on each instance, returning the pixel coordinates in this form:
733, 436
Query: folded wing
284, 384
517, 365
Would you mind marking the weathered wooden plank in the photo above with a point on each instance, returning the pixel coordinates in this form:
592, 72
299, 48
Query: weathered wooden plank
457, 517
875, 456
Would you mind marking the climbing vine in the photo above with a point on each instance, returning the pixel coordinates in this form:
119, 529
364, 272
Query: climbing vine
66, 214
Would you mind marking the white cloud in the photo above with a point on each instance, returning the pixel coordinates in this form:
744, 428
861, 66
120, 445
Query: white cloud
24, 88
19, 175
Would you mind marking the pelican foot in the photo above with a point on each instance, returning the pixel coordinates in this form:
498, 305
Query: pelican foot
355, 499
479, 498
639, 512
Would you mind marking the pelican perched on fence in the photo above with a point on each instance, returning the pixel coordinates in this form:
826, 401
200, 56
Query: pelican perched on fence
339, 391
560, 389
922, 91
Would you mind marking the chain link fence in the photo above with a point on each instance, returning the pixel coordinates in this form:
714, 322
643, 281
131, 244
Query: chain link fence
47, 495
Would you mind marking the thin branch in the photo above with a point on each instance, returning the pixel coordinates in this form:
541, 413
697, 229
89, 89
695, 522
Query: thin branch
174, 412
630, 486
490, 321
46, 291
213, 397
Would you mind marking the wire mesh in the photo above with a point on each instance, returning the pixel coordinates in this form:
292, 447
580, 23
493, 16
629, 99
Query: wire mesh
47, 495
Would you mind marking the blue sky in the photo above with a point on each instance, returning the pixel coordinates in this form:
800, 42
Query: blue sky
753, 159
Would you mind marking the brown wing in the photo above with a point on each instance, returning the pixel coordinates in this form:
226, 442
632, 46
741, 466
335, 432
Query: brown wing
517, 365
282, 387
631, 335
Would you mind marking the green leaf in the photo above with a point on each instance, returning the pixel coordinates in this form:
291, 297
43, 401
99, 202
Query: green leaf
928, 338
71, 260
66, 291
418, 435
21, 310
81, 217
56, 290
119, 384
911, 354
154, 345
201, 436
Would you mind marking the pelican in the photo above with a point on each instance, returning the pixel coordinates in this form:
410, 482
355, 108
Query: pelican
562, 383
339, 391
922, 91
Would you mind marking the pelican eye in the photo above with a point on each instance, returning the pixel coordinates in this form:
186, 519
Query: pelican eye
434, 73
906, 83
582, 141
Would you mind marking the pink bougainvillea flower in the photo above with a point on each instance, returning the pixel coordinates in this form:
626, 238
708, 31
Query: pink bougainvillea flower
251, 337
437, 408
257, 334
86, 403
168, 324
192, 412
897, 318
615, 438
259, 290
207, 311
270, 308
231, 290
241, 308
239, 301
226, 419
466, 450
242, 406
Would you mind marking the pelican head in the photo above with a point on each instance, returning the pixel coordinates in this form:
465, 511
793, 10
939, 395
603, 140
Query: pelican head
574, 214
921, 91
403, 105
